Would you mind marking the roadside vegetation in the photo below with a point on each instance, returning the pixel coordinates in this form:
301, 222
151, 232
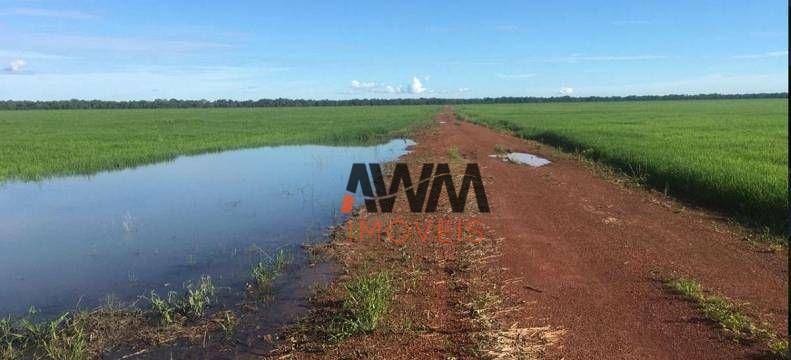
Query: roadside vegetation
728, 154
117, 329
367, 301
728, 317
37, 144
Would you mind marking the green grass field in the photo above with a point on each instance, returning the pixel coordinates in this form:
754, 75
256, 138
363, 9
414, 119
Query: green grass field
729, 154
37, 144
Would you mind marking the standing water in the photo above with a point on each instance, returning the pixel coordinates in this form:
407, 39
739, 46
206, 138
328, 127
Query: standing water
75, 240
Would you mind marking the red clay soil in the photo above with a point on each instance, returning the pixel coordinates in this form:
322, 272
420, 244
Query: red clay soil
592, 253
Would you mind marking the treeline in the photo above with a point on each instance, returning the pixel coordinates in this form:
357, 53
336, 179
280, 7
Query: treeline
223, 103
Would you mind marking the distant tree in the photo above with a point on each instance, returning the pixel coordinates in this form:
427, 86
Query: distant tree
282, 102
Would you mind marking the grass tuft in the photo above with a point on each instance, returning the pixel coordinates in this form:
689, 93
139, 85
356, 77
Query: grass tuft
778, 349
229, 326
266, 271
62, 338
177, 307
454, 154
500, 149
368, 299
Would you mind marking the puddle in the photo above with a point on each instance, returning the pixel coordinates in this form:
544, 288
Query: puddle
523, 159
75, 240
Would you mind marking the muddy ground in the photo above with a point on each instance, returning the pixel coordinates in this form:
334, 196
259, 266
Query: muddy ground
569, 265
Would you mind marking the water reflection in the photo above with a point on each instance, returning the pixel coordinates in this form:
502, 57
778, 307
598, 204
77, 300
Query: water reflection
76, 239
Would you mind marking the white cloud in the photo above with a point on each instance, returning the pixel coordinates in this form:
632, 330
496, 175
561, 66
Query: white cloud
765, 55
394, 89
515, 76
61, 14
16, 65
363, 85
463, 90
566, 91
416, 87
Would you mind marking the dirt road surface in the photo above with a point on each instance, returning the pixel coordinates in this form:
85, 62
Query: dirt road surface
573, 262
591, 253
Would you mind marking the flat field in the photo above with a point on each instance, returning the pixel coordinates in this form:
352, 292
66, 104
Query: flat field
729, 154
40, 143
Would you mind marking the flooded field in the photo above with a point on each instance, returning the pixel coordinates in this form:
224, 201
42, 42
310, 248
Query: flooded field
71, 242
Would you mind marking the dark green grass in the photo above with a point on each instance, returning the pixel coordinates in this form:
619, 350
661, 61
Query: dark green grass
727, 154
36, 144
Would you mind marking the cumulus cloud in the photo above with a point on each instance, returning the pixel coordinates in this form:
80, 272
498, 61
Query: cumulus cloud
414, 87
16, 65
566, 91
362, 85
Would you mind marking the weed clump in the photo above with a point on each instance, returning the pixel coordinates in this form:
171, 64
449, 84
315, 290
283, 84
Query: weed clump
62, 338
500, 149
367, 301
266, 271
454, 154
177, 307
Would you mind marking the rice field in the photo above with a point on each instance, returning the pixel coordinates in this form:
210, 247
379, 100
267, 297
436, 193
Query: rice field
38, 144
728, 154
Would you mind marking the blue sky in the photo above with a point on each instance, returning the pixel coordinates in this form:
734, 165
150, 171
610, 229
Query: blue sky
120, 50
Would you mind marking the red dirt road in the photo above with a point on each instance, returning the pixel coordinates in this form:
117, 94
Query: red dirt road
590, 253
